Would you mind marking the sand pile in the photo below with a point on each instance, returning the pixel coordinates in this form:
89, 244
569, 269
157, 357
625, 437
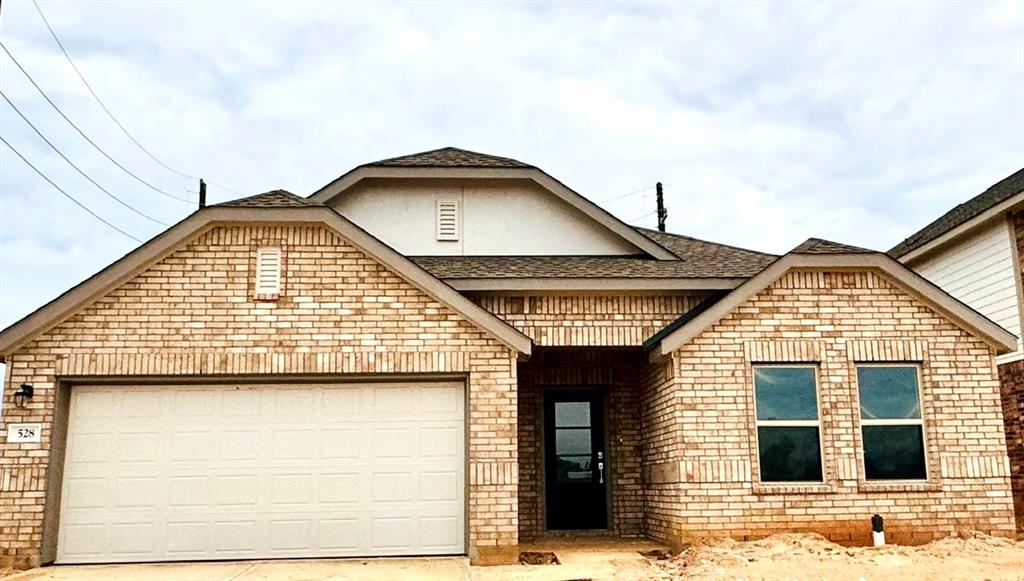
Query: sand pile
811, 556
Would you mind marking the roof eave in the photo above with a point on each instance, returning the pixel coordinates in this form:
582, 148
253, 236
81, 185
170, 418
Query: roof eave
995, 212
586, 284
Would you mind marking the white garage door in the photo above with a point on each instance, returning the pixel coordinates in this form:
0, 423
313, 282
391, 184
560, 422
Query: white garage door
242, 472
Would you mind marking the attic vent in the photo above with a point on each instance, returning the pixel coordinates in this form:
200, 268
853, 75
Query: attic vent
447, 220
268, 273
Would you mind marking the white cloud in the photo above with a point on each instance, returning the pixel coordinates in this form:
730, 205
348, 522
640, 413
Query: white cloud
768, 123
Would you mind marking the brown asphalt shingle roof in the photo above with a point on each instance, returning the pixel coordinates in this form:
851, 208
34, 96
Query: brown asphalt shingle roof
821, 246
725, 258
698, 259
271, 199
449, 157
1001, 191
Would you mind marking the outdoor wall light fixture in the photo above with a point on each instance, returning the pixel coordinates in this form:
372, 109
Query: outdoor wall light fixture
24, 394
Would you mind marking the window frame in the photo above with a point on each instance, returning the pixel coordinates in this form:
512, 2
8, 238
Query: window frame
862, 422
816, 368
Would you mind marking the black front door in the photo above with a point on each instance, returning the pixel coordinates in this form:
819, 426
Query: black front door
576, 463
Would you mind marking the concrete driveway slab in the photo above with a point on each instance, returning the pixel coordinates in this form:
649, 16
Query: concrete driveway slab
595, 559
455, 568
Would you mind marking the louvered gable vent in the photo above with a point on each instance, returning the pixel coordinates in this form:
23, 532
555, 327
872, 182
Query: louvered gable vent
268, 272
447, 220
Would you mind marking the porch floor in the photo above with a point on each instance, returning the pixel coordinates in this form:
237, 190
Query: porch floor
584, 558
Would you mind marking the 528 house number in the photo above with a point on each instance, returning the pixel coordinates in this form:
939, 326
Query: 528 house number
24, 433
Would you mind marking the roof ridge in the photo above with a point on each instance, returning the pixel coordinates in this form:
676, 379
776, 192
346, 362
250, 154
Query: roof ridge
822, 246
278, 198
449, 157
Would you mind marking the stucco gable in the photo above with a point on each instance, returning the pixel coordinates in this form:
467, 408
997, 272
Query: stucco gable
196, 225
601, 218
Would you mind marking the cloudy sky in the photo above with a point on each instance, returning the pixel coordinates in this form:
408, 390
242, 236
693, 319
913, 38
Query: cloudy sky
768, 123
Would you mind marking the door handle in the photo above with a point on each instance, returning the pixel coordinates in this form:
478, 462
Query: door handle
600, 472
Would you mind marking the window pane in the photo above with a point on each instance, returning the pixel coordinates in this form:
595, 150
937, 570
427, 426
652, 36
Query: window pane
894, 453
572, 441
572, 414
789, 454
574, 468
888, 393
785, 393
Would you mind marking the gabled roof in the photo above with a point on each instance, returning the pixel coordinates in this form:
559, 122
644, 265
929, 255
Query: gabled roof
822, 246
140, 259
271, 199
449, 157
825, 255
997, 195
452, 163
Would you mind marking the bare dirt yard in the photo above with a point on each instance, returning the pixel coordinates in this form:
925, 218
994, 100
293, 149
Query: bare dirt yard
808, 556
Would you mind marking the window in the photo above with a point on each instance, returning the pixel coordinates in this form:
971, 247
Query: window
891, 422
788, 431
447, 220
268, 272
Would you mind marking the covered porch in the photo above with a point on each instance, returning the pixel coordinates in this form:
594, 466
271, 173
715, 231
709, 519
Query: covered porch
580, 444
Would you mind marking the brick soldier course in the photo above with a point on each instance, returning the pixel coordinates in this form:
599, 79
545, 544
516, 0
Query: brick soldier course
675, 373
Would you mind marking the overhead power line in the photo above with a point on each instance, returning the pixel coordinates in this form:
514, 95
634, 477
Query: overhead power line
79, 170
67, 195
84, 136
626, 195
642, 217
109, 112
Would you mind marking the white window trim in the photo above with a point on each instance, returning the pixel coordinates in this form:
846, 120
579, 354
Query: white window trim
788, 424
897, 422
458, 221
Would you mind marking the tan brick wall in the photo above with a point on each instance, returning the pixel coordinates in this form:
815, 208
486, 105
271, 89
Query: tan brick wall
612, 320
590, 320
706, 482
340, 312
615, 373
1011, 379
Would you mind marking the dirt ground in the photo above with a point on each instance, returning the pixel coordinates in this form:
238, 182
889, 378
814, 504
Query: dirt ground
808, 556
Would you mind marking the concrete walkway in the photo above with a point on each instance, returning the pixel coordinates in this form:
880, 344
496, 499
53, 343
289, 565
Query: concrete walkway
580, 560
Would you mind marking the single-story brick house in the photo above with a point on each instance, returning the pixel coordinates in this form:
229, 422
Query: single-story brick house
454, 353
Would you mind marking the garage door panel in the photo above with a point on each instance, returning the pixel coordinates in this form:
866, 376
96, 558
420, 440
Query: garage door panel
340, 443
138, 447
340, 534
134, 492
439, 532
225, 472
189, 491
187, 539
339, 488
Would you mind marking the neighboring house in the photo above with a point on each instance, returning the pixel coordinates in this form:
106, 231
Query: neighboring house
974, 253
453, 353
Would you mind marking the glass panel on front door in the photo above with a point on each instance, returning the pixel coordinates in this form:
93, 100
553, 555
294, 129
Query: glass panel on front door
576, 464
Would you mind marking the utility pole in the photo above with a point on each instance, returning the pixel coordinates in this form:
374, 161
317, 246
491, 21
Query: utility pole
202, 194
662, 212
